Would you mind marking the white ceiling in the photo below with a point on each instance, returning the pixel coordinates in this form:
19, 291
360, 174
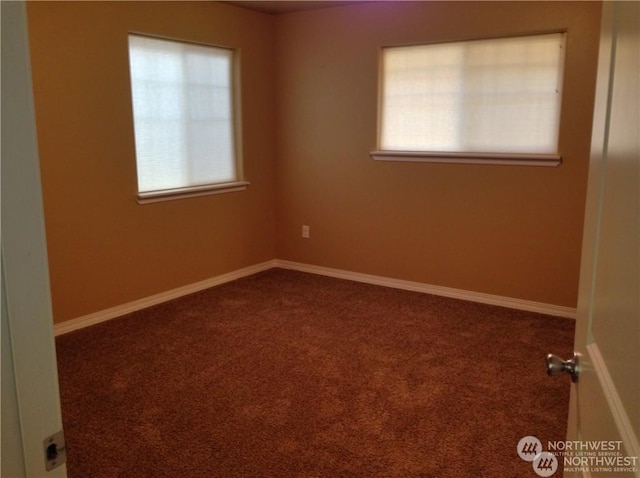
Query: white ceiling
276, 7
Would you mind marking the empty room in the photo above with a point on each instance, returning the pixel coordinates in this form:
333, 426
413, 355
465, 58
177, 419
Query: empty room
321, 239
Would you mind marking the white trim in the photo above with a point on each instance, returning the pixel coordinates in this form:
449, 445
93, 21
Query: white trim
117, 311
530, 306
149, 197
501, 159
623, 423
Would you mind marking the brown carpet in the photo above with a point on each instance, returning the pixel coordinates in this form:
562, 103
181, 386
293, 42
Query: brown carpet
287, 374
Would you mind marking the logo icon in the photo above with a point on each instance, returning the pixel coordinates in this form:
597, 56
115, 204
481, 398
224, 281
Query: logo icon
545, 464
528, 448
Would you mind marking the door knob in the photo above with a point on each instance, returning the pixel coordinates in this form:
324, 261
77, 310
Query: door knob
557, 366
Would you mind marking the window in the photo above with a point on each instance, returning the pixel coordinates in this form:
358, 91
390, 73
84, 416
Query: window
494, 100
186, 134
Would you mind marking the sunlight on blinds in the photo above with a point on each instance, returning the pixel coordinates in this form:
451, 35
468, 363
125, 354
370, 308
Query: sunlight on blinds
183, 113
485, 96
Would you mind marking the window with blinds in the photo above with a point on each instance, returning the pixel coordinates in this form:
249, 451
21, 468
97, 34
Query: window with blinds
184, 117
483, 99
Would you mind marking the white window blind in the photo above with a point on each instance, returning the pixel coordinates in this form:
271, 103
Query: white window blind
497, 96
183, 109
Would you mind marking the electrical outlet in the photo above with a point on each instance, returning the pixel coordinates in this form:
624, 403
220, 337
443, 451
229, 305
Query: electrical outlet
305, 232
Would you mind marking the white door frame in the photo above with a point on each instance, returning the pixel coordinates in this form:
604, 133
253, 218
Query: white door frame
598, 411
30, 393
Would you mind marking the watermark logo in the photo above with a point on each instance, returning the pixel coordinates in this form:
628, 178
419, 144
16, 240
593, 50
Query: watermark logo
545, 464
530, 449
576, 456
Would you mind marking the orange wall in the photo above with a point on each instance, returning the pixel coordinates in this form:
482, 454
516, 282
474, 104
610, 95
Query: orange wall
104, 248
505, 230
309, 121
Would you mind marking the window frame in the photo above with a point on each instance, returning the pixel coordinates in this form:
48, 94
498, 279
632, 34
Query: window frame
465, 157
239, 183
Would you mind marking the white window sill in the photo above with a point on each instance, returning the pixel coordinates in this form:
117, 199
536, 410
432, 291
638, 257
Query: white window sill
182, 193
507, 159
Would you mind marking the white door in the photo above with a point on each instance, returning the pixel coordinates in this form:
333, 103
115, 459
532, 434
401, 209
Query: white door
30, 395
604, 420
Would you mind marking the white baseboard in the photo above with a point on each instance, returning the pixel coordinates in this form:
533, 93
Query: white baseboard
529, 306
117, 311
